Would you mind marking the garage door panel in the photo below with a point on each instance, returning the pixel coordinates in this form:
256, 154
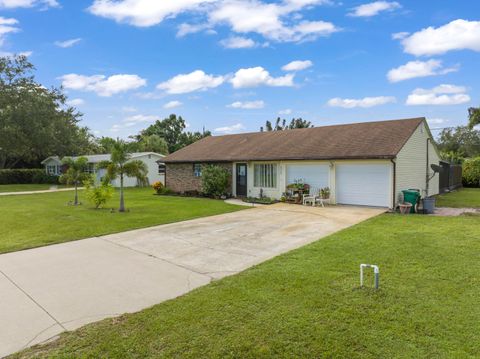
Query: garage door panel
363, 184
317, 176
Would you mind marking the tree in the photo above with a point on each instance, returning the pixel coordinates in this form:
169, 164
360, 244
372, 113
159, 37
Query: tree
35, 122
152, 143
75, 173
459, 142
98, 194
105, 144
299, 123
172, 130
473, 117
281, 125
120, 166
471, 172
187, 138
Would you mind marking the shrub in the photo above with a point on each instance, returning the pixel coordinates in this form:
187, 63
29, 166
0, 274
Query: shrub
214, 180
26, 176
158, 187
471, 172
161, 189
98, 195
260, 200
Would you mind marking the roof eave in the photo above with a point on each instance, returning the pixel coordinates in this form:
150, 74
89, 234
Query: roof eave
336, 158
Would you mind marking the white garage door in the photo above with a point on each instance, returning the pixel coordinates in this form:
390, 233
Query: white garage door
362, 184
314, 175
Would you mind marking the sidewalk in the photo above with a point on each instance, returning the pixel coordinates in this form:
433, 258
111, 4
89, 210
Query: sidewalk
36, 192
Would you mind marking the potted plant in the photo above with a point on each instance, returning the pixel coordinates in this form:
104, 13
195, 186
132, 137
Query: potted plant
325, 193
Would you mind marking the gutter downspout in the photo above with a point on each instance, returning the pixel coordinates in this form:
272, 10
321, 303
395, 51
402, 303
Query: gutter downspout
394, 182
427, 174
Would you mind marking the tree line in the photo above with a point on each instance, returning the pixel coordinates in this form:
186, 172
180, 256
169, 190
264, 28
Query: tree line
461, 142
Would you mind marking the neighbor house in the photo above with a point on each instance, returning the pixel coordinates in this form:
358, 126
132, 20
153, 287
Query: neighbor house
156, 168
362, 163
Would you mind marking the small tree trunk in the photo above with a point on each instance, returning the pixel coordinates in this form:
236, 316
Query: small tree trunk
76, 194
122, 202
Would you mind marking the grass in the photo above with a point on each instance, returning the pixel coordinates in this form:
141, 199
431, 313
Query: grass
307, 303
36, 220
463, 198
26, 187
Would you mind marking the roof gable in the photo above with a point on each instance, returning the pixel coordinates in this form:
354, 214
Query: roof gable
366, 140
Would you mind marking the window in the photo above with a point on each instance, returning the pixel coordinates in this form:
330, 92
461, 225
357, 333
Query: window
90, 168
52, 170
161, 169
265, 175
197, 170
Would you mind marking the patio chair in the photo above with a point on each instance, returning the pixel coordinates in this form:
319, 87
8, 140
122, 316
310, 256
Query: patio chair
313, 197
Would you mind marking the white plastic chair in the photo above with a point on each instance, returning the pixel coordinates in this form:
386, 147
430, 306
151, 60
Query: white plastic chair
313, 197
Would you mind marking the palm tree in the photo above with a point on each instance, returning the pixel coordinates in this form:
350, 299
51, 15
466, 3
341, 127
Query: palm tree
120, 165
75, 174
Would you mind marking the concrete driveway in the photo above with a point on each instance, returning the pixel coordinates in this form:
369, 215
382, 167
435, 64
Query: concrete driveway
48, 290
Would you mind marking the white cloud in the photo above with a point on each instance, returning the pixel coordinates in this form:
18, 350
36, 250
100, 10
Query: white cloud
400, 35
374, 8
237, 42
67, 43
286, 111
230, 129
7, 26
11, 54
435, 121
297, 65
141, 118
134, 120
365, 102
456, 35
186, 29
102, 85
76, 102
172, 104
258, 76
11, 4
194, 81
268, 19
275, 21
440, 95
415, 69
143, 13
248, 105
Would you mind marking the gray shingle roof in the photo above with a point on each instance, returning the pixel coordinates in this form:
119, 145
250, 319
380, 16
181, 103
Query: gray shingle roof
368, 140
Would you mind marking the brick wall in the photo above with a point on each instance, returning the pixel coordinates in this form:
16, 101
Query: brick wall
180, 178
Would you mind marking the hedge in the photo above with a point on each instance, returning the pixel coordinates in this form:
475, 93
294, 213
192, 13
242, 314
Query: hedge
471, 172
26, 176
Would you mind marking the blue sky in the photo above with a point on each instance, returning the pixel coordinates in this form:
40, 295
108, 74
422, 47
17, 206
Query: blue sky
230, 65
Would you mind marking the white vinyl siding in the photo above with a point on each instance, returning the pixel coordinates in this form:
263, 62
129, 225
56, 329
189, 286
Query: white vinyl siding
265, 175
411, 164
364, 184
317, 176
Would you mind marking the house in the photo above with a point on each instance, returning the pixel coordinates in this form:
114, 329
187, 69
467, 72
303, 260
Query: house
156, 168
362, 163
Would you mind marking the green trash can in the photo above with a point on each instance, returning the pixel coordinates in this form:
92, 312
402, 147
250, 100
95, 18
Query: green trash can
411, 196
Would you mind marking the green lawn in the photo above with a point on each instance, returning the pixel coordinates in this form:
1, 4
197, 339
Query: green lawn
35, 220
26, 187
465, 197
307, 303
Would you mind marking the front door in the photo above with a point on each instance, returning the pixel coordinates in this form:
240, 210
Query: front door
241, 179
